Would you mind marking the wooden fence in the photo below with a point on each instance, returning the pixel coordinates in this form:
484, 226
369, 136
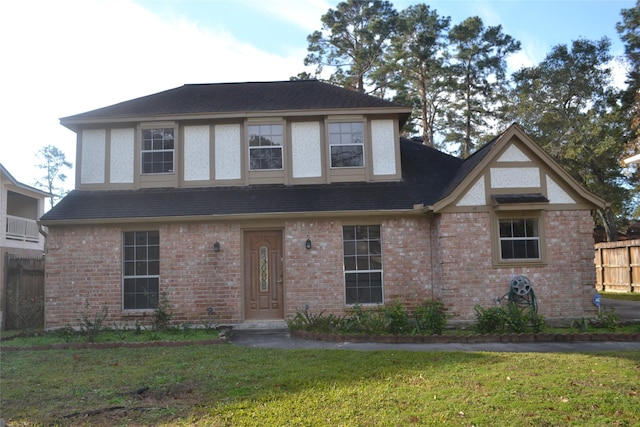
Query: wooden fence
23, 297
618, 266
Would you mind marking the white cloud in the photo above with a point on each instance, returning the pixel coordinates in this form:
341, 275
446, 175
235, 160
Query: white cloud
69, 56
305, 14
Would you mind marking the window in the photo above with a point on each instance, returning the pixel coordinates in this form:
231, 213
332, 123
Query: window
157, 150
346, 142
519, 238
362, 264
141, 270
265, 147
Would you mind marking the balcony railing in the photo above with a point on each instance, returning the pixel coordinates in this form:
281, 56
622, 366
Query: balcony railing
22, 229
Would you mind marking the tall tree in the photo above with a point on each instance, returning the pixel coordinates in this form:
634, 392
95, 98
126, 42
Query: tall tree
53, 162
479, 66
353, 39
629, 30
568, 104
418, 60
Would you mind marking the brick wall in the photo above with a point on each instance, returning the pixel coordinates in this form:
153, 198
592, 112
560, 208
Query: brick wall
466, 276
314, 277
83, 268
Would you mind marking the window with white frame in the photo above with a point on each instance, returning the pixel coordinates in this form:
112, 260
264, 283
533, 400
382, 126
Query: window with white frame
362, 264
141, 270
519, 238
346, 144
265, 147
157, 151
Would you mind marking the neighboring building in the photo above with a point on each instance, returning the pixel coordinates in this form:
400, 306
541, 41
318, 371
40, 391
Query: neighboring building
20, 208
256, 200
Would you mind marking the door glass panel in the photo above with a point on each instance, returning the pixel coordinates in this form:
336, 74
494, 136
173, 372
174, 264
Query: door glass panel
264, 269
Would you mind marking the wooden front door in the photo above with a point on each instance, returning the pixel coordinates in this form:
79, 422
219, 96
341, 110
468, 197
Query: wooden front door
263, 275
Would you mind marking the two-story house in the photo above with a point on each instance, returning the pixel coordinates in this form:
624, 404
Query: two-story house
256, 200
20, 207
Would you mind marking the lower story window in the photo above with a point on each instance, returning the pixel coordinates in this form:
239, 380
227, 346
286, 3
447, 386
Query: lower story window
141, 270
519, 238
362, 264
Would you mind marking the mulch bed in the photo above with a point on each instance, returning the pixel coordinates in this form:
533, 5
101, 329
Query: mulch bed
467, 339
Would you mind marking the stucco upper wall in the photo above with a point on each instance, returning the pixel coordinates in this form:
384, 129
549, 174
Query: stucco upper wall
217, 153
518, 169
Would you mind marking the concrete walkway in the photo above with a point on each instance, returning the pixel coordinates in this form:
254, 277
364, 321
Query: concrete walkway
279, 338
626, 310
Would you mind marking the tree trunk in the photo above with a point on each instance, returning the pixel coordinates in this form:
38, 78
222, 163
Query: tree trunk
609, 222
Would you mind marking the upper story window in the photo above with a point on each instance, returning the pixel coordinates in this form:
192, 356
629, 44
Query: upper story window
265, 147
157, 150
519, 239
346, 142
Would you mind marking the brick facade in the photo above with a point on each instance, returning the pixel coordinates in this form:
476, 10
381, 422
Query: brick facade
466, 276
84, 268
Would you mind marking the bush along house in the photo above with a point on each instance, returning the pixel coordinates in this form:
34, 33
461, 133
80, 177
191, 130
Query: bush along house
253, 201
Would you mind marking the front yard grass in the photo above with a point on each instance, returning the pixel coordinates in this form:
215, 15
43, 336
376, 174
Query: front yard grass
43, 338
621, 296
226, 385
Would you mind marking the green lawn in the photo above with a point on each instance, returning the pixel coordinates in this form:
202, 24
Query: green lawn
623, 296
226, 385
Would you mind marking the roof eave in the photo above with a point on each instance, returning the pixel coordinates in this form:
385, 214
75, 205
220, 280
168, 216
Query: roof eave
273, 216
76, 123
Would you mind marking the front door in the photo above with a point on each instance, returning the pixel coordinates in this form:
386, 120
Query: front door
263, 276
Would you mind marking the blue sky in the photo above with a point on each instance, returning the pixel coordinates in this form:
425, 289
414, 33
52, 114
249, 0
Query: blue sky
65, 57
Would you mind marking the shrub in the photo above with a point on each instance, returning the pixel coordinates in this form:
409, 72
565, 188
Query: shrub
392, 319
397, 320
365, 321
607, 319
430, 317
161, 319
515, 319
488, 320
507, 318
306, 321
92, 325
537, 321
67, 333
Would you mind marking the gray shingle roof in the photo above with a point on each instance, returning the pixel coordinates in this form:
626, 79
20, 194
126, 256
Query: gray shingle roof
425, 173
237, 98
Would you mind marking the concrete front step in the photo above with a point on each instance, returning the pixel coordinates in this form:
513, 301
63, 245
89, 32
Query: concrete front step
257, 326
